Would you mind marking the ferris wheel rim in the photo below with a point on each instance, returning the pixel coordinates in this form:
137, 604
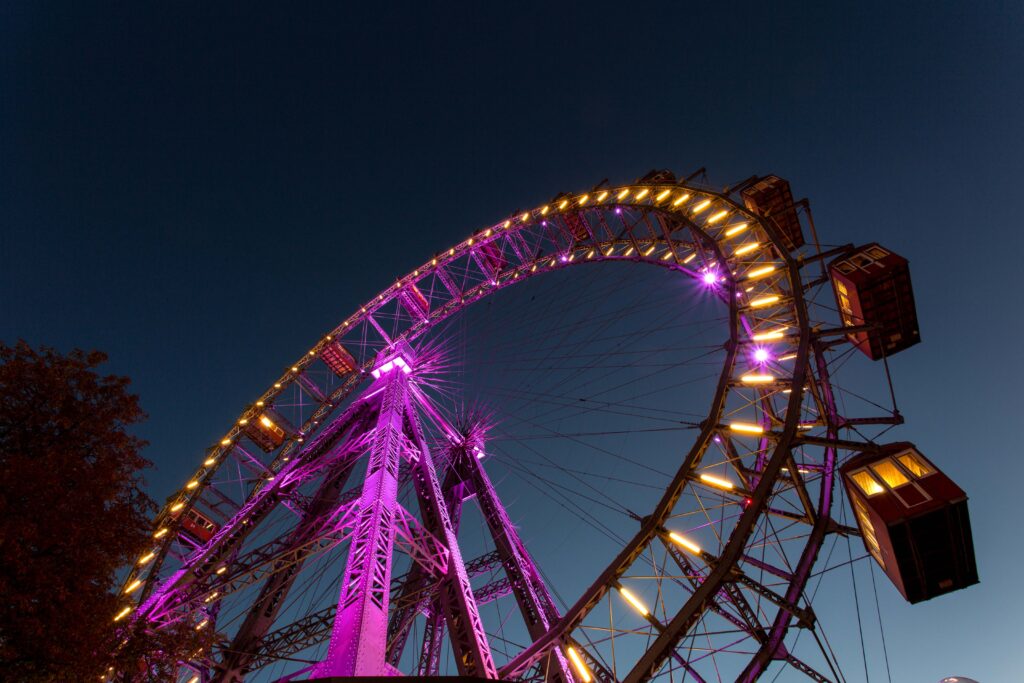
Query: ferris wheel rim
521, 275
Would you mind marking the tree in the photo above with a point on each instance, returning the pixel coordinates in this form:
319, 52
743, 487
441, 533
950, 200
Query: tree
72, 512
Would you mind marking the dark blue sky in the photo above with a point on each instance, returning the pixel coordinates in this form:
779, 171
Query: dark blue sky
202, 192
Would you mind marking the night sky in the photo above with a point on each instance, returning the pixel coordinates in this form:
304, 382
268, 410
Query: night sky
202, 192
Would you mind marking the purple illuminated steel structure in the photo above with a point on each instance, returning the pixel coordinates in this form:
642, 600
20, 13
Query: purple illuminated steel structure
367, 483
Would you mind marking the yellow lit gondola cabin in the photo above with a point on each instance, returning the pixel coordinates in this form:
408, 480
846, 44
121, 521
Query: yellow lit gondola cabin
913, 520
268, 430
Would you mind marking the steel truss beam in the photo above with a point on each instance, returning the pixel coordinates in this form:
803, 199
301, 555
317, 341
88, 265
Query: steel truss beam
536, 606
359, 635
314, 628
466, 631
265, 609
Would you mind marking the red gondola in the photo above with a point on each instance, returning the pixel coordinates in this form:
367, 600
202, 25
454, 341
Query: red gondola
267, 430
338, 359
771, 198
196, 525
872, 287
913, 519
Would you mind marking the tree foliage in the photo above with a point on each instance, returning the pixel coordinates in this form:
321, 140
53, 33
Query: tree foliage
72, 513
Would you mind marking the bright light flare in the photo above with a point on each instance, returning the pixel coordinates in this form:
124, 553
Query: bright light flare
578, 664
146, 558
700, 207
770, 335
682, 198
710, 277
396, 362
736, 229
746, 428
634, 601
760, 272
684, 542
761, 355
717, 217
757, 379
662, 195
177, 506
122, 614
133, 586
763, 301
746, 248
641, 194
623, 194
717, 481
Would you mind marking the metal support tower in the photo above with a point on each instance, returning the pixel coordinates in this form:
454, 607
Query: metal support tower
535, 604
359, 635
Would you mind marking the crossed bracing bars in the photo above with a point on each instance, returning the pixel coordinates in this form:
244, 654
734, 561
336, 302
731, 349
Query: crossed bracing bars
366, 639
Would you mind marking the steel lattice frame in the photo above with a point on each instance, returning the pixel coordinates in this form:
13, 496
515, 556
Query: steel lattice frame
773, 425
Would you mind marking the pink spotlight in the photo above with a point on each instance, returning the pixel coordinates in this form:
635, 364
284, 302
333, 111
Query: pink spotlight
761, 355
710, 277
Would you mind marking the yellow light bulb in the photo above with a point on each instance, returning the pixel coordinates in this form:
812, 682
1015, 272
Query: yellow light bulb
763, 301
716, 481
684, 542
760, 272
634, 601
770, 335
577, 662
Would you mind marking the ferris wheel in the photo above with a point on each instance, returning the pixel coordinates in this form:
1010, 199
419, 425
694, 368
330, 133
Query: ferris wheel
324, 534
